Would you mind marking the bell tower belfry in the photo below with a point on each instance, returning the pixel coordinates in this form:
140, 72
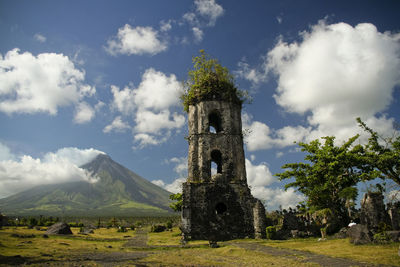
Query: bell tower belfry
215, 140
217, 202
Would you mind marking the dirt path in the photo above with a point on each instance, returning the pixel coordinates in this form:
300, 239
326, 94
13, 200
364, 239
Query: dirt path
139, 240
302, 256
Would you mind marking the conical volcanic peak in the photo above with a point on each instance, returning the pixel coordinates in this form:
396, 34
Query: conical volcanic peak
117, 192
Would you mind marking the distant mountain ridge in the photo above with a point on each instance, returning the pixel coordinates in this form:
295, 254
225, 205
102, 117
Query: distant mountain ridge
118, 192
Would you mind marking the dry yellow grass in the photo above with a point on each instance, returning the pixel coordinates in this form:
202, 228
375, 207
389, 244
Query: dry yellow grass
165, 248
57, 247
223, 256
372, 253
170, 238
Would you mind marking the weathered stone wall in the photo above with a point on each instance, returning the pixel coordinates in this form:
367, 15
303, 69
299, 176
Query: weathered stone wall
228, 141
394, 215
260, 222
218, 211
218, 207
373, 211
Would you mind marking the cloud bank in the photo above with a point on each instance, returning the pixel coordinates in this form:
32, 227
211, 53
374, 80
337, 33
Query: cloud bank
19, 173
150, 104
136, 41
335, 74
43, 83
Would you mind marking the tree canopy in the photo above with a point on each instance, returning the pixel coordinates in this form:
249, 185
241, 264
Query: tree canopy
382, 155
177, 204
208, 80
329, 179
331, 173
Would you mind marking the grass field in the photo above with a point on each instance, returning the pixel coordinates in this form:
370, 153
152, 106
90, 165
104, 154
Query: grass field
20, 245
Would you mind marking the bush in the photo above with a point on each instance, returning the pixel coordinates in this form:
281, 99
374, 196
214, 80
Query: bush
76, 224
169, 224
49, 223
271, 232
122, 229
210, 81
381, 238
157, 228
32, 222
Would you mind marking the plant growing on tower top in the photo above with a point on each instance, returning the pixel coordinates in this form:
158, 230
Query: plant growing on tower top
208, 80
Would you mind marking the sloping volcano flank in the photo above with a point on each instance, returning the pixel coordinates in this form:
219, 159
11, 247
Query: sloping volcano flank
118, 192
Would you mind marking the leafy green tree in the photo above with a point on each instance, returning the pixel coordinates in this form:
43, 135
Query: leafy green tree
177, 205
32, 221
381, 155
328, 181
210, 81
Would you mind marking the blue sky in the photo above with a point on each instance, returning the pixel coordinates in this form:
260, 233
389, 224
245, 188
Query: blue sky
78, 78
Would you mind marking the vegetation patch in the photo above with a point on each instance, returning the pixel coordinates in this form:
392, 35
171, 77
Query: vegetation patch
21, 245
210, 81
371, 253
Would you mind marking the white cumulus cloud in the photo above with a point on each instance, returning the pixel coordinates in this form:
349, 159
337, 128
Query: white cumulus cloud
123, 100
335, 74
198, 34
136, 41
150, 105
40, 37
21, 173
117, 125
84, 113
42, 83
153, 122
180, 169
209, 9
260, 179
158, 91
5, 153
258, 175
260, 136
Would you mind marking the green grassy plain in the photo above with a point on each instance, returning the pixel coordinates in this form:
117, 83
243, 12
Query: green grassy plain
164, 249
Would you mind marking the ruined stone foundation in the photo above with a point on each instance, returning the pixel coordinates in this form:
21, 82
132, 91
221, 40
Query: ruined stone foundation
221, 211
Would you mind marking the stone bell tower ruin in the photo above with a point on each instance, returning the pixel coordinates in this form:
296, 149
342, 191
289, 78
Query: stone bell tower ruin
218, 207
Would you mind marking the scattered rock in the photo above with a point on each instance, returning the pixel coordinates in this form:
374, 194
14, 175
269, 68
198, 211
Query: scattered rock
342, 233
213, 244
394, 235
86, 231
360, 234
46, 255
60, 228
298, 234
23, 236
157, 228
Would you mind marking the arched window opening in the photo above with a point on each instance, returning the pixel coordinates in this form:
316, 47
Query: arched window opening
220, 208
214, 168
212, 129
214, 121
216, 160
